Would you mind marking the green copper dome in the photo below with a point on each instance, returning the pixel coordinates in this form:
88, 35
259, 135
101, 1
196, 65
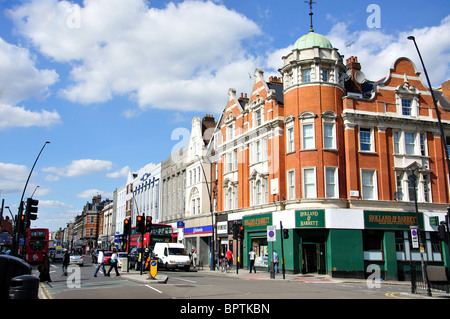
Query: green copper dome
311, 40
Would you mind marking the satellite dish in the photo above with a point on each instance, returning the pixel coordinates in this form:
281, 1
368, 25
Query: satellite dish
398, 195
360, 77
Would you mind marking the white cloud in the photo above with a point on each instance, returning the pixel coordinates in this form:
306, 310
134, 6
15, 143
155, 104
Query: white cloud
89, 193
123, 172
194, 48
376, 50
17, 116
12, 178
13, 172
20, 80
53, 204
80, 168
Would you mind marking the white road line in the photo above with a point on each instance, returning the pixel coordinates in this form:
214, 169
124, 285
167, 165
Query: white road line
194, 282
153, 289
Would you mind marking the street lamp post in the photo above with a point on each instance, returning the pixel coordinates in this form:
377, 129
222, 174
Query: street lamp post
438, 114
19, 215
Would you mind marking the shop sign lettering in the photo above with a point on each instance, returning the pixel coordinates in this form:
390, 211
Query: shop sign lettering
391, 220
258, 222
310, 218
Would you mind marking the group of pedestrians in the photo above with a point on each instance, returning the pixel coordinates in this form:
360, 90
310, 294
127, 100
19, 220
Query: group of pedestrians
112, 263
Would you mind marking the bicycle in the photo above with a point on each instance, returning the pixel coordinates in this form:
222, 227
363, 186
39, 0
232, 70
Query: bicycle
224, 266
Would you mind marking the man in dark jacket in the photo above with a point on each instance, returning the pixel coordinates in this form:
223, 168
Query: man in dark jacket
65, 262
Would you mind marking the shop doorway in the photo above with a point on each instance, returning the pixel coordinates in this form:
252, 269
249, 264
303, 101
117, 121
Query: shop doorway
313, 258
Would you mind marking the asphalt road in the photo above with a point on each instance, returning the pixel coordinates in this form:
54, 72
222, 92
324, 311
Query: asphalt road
207, 285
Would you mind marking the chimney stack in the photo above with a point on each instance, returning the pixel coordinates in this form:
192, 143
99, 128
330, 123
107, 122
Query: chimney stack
446, 89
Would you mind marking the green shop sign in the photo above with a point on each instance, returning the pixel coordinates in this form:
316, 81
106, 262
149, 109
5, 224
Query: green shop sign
257, 222
391, 220
310, 218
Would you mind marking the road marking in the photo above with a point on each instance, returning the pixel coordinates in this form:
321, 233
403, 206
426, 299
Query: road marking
393, 295
153, 289
45, 294
194, 282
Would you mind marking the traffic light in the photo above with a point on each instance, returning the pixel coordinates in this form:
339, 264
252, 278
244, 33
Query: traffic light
148, 224
442, 231
235, 231
241, 232
126, 227
285, 233
139, 224
30, 211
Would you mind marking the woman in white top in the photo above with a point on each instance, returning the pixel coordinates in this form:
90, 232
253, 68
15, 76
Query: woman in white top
113, 263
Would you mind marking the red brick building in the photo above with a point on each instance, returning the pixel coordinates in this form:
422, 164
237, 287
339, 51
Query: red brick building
331, 155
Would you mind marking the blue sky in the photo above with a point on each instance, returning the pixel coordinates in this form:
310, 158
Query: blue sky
108, 81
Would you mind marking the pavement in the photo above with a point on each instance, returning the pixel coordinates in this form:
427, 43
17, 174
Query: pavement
261, 275
244, 274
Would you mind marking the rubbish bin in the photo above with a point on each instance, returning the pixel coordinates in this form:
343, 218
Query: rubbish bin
11, 267
24, 287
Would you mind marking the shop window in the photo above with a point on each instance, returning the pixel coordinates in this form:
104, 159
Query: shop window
400, 244
373, 244
436, 248
261, 249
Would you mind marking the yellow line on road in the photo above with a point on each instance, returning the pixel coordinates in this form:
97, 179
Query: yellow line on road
45, 293
392, 294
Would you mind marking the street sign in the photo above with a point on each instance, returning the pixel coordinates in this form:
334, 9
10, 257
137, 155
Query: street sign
271, 233
415, 237
153, 268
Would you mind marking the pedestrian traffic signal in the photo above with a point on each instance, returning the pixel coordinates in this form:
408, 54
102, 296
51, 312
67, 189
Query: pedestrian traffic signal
30, 212
285, 233
148, 224
140, 224
126, 227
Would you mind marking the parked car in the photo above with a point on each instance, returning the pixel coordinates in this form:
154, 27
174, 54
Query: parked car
76, 259
107, 257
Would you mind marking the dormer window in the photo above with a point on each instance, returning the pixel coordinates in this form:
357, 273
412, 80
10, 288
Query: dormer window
406, 106
407, 99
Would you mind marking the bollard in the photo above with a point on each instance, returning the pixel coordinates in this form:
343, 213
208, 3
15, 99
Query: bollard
24, 287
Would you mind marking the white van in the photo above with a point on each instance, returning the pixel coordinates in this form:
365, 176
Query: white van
172, 256
58, 254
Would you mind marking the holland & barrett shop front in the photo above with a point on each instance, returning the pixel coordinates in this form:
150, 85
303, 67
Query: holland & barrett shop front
346, 242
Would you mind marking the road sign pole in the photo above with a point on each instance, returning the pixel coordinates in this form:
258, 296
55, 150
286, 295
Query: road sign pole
282, 251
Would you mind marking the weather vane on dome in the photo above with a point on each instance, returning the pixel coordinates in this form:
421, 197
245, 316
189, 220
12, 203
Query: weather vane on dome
310, 2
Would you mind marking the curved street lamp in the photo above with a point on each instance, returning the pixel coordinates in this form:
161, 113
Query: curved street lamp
19, 226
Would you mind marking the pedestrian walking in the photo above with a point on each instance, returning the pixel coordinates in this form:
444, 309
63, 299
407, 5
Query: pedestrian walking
194, 257
65, 262
275, 261
251, 259
44, 269
113, 263
100, 263
229, 256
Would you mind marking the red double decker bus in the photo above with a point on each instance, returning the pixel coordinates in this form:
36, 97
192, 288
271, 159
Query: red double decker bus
36, 244
160, 233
